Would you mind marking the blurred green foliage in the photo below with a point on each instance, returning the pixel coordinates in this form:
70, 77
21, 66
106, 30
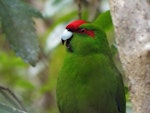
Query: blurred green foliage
104, 20
18, 26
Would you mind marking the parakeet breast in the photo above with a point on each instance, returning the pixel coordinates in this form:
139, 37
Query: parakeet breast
87, 84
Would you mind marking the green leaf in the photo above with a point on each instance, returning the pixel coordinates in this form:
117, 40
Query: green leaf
18, 26
104, 21
25, 84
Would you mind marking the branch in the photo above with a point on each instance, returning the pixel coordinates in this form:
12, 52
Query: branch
131, 21
79, 8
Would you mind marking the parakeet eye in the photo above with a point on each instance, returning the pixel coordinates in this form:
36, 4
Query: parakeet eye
83, 30
86, 31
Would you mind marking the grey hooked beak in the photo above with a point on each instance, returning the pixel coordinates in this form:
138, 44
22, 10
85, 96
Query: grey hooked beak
66, 37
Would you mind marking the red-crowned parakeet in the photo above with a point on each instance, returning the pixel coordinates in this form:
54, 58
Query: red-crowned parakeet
89, 82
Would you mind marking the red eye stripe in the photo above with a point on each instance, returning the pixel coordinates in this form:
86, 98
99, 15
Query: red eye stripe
90, 33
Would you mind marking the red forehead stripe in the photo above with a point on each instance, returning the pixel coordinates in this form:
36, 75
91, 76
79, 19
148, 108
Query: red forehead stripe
75, 24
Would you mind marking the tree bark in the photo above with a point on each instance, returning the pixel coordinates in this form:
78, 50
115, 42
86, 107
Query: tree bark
131, 19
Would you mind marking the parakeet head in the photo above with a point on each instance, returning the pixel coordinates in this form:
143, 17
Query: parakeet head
81, 37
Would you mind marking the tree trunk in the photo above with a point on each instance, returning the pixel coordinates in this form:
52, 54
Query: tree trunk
131, 20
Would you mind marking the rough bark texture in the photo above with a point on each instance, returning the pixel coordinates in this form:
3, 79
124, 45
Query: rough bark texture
131, 19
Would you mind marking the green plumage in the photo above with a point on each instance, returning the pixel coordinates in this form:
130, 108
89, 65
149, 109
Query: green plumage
89, 81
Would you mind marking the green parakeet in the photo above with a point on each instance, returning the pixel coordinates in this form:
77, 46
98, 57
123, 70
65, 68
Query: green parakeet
89, 81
